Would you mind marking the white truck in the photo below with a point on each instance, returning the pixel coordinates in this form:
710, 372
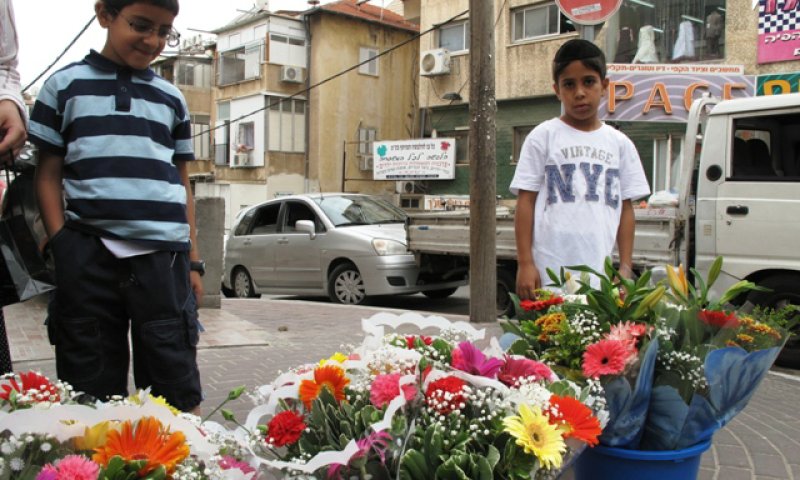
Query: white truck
738, 196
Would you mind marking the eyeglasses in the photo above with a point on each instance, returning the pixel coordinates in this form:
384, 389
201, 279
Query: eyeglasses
143, 27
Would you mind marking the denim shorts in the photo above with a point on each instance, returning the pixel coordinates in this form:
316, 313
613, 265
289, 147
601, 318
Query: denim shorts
101, 300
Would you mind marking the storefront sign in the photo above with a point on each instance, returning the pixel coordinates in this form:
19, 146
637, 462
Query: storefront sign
589, 12
420, 159
778, 84
664, 93
778, 30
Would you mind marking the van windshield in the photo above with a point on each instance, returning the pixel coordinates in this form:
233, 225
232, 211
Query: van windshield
343, 210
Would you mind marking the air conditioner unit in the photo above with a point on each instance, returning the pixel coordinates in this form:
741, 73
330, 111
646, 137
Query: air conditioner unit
434, 62
241, 160
291, 74
366, 162
408, 186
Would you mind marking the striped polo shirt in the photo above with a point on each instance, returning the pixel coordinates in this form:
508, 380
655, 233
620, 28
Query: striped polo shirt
120, 132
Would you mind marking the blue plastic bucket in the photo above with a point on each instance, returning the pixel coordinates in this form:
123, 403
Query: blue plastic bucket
601, 462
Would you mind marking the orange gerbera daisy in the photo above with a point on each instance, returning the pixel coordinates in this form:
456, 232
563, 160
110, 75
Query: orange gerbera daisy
327, 376
574, 419
148, 440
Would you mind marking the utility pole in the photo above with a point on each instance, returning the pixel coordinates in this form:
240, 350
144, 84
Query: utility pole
483, 174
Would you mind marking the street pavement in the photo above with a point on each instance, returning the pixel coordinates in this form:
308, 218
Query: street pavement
248, 342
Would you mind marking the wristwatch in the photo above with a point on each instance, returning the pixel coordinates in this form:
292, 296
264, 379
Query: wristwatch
198, 266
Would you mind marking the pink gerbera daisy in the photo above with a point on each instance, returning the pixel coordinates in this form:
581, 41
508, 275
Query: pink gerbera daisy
606, 357
515, 369
73, 467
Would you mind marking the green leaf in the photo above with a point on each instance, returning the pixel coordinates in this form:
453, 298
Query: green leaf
413, 466
713, 271
554, 278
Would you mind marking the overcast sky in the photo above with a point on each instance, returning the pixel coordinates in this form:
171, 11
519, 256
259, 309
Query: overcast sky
45, 27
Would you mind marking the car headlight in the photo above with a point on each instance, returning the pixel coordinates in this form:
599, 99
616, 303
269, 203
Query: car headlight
385, 246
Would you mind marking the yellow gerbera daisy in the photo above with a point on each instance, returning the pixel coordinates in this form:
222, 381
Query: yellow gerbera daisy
337, 357
95, 436
537, 436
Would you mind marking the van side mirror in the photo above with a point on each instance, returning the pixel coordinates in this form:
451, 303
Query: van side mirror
306, 226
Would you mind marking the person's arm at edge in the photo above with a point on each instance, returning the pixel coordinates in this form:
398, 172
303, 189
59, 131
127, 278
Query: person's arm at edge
49, 191
527, 273
625, 233
194, 253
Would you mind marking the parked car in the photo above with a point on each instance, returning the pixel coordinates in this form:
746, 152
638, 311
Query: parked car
345, 246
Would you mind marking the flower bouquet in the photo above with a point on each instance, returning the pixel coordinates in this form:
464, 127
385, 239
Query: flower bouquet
45, 434
423, 407
675, 364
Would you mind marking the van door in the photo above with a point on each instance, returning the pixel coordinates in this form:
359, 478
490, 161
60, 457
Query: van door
758, 203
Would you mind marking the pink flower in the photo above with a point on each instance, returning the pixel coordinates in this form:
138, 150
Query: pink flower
630, 334
468, 358
378, 441
227, 463
606, 357
386, 387
515, 369
71, 467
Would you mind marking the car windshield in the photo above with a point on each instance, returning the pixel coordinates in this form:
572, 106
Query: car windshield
345, 210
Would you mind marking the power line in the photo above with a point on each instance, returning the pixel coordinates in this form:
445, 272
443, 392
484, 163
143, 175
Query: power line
334, 76
85, 27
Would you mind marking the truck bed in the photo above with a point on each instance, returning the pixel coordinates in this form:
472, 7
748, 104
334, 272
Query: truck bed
447, 233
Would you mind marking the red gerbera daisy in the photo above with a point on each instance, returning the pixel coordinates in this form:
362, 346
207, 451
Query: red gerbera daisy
575, 419
544, 299
445, 395
411, 340
719, 319
606, 357
285, 428
33, 383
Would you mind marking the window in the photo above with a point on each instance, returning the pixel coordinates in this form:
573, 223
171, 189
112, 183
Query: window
240, 64
520, 134
266, 219
454, 37
246, 139
667, 163
223, 134
539, 21
370, 68
286, 124
296, 211
194, 74
285, 50
243, 227
366, 138
665, 31
766, 148
462, 144
201, 136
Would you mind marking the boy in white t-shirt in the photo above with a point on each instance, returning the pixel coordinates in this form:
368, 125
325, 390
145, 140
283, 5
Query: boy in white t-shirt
575, 179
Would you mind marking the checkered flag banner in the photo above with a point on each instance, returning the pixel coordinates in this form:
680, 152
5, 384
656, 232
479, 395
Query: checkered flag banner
776, 16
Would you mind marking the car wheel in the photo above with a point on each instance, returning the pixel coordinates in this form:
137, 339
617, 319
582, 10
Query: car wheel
505, 285
227, 292
439, 294
243, 284
345, 285
785, 290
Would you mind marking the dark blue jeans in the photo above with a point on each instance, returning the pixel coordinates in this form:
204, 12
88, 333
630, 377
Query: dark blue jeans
101, 298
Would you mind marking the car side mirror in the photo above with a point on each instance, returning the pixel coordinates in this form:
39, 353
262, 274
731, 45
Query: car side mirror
306, 226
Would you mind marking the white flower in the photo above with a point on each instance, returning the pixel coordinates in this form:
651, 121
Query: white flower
45, 447
16, 464
6, 448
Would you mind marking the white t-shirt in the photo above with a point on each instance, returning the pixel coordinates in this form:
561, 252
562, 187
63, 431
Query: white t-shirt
582, 179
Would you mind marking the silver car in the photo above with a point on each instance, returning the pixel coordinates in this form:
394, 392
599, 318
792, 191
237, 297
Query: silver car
345, 246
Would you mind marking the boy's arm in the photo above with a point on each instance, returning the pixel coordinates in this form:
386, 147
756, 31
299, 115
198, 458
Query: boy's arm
49, 191
627, 225
527, 273
194, 253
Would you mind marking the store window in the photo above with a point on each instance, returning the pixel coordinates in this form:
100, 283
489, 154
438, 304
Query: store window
669, 31
539, 21
454, 37
462, 144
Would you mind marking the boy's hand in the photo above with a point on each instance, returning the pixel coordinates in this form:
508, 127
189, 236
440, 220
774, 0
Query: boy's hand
197, 286
527, 281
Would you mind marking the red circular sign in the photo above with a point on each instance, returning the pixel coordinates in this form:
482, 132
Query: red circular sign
588, 12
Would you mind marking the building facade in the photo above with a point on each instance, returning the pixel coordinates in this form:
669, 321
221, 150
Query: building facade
658, 50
